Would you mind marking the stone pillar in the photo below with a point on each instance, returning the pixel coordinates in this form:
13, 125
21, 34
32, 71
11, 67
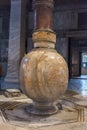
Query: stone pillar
16, 48
43, 73
43, 14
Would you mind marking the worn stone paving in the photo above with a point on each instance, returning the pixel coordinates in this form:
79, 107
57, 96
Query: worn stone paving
79, 85
13, 115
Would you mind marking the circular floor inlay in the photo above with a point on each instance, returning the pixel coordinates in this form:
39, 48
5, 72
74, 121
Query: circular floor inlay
19, 116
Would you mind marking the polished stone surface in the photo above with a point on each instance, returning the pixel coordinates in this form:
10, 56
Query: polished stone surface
76, 85
16, 47
79, 84
44, 78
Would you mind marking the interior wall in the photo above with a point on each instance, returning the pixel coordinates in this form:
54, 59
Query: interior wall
62, 47
74, 60
77, 46
84, 71
4, 34
64, 20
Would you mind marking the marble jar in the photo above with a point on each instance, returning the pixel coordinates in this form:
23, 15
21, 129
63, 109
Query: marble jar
44, 78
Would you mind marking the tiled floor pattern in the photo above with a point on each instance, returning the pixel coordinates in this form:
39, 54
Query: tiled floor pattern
12, 110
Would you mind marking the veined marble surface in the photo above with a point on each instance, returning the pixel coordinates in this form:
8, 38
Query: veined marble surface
44, 75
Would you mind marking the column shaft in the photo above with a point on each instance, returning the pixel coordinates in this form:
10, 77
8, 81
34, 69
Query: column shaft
16, 48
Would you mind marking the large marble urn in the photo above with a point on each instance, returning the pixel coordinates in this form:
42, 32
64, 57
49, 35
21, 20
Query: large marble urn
43, 72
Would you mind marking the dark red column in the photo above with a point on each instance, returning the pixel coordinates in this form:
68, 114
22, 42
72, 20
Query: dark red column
43, 11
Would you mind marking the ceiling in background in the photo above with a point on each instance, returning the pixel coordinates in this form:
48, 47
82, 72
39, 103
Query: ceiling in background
4, 2
64, 2
57, 2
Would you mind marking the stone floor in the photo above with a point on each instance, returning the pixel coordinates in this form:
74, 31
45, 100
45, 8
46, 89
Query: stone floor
76, 93
79, 85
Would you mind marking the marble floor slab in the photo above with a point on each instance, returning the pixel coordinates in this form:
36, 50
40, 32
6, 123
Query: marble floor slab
12, 107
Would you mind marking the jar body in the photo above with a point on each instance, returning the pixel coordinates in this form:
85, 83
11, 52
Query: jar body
43, 77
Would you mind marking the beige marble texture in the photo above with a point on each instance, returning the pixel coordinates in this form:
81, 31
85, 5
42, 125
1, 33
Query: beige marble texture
44, 75
5, 126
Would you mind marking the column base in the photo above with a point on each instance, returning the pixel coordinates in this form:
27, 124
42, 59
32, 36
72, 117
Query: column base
44, 110
9, 85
